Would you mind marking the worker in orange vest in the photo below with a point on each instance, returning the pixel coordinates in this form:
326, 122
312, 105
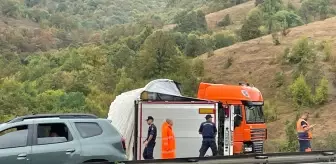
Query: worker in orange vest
168, 140
304, 132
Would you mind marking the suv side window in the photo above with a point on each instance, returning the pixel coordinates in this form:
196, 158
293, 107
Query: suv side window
53, 133
88, 129
14, 137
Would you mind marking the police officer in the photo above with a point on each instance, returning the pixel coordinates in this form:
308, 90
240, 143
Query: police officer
150, 140
208, 130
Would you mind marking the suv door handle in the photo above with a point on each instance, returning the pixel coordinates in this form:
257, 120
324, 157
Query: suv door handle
69, 151
21, 156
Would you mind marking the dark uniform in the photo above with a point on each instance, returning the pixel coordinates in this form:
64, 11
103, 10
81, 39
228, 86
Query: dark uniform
148, 151
208, 130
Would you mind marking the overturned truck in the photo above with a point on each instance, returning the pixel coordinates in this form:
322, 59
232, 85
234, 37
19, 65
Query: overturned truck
162, 99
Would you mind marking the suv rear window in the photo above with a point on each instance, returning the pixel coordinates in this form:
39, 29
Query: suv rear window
88, 129
53, 133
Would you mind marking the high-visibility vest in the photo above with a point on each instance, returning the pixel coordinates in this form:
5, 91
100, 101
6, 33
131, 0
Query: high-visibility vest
301, 133
168, 142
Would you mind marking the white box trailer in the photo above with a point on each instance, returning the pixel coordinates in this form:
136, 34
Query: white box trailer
162, 99
187, 116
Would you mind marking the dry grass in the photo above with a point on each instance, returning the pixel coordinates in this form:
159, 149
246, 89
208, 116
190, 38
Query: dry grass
254, 61
237, 13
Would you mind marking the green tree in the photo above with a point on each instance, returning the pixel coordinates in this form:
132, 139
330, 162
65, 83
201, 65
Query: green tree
302, 52
14, 100
122, 56
291, 144
301, 92
269, 8
10, 8
195, 46
73, 101
191, 21
287, 19
250, 28
271, 111
321, 93
223, 40
157, 55
311, 9
225, 21
49, 101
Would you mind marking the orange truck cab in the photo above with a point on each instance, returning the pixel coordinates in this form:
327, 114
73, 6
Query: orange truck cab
249, 123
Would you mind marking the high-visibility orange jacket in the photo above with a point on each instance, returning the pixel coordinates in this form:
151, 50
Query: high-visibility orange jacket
302, 133
168, 142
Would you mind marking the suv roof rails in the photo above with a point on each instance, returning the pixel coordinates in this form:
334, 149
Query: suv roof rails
62, 116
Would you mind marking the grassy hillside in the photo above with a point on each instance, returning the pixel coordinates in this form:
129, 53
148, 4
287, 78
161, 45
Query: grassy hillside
76, 56
259, 62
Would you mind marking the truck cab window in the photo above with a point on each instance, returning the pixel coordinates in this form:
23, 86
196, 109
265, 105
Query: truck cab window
254, 114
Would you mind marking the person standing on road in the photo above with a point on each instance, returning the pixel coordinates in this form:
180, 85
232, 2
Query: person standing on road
168, 140
208, 131
304, 132
150, 140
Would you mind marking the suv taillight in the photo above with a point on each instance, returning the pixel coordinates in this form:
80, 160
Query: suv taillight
123, 142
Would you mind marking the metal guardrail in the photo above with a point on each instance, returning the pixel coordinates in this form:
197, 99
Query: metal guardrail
279, 158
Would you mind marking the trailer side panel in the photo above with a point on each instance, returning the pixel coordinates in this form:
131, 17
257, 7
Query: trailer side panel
187, 117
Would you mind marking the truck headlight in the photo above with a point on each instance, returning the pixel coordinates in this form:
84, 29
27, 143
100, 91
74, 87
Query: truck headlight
248, 149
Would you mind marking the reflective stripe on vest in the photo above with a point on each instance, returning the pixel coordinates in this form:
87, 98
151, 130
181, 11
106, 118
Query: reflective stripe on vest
168, 152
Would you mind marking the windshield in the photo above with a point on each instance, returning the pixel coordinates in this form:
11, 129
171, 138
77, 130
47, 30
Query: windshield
254, 114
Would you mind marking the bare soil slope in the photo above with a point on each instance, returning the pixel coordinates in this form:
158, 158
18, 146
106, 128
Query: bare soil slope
254, 61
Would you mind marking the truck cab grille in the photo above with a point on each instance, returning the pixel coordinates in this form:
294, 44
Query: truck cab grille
258, 147
257, 137
258, 134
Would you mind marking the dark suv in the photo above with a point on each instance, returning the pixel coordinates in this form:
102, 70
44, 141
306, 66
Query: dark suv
60, 139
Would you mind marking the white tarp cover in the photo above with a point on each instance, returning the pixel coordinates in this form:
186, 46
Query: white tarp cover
122, 108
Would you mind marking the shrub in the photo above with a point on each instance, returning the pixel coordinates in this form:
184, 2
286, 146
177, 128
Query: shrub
225, 21
291, 144
321, 93
223, 40
279, 79
229, 62
301, 92
271, 111
250, 28
195, 46
302, 52
191, 21
327, 50
197, 67
276, 39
